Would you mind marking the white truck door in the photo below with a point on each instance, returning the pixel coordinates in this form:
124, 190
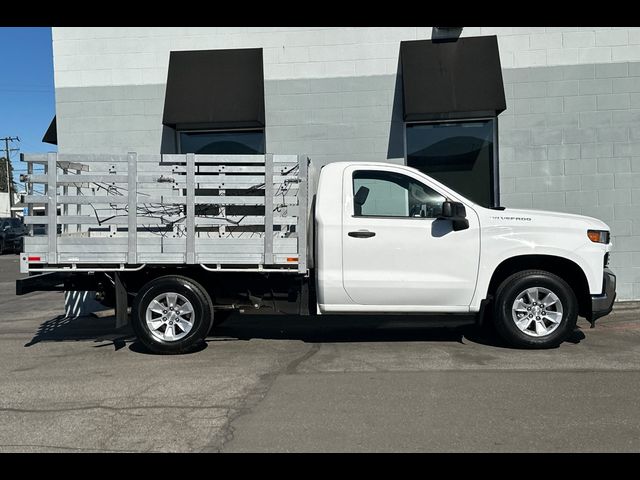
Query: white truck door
396, 252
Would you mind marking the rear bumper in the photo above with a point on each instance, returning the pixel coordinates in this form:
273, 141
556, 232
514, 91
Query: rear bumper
602, 304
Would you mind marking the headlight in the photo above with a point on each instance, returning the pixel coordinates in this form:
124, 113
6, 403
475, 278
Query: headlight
598, 236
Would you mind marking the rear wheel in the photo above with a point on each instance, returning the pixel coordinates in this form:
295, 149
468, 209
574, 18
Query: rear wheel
172, 314
535, 309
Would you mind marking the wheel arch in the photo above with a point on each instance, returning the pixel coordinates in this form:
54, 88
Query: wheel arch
135, 281
564, 268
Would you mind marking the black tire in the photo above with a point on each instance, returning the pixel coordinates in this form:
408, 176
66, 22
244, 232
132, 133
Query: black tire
1, 247
202, 317
506, 295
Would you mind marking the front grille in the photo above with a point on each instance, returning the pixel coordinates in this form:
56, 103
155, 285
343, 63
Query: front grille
606, 260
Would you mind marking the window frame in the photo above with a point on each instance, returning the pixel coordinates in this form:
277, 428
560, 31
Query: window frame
494, 172
218, 130
404, 174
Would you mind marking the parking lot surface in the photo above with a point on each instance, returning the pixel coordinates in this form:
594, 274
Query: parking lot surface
290, 384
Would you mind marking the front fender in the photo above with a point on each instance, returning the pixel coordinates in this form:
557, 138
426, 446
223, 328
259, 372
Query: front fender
489, 265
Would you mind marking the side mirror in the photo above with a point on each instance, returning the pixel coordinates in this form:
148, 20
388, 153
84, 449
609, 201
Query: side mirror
455, 212
361, 196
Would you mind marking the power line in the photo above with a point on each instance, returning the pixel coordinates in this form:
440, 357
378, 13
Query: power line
9, 170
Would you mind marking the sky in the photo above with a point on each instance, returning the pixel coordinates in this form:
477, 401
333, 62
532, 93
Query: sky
27, 102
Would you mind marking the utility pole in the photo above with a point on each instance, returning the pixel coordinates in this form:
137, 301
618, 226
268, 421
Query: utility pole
7, 153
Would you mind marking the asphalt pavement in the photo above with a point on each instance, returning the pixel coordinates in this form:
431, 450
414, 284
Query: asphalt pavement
291, 384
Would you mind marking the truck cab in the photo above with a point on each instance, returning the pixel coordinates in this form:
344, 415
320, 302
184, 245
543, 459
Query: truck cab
391, 239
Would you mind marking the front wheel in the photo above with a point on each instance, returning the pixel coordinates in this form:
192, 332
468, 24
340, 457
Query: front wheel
172, 314
535, 309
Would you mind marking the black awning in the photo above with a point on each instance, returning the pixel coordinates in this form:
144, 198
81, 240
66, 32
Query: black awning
51, 135
215, 88
449, 79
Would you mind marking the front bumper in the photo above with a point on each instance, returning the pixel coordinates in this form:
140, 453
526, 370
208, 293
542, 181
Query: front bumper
602, 304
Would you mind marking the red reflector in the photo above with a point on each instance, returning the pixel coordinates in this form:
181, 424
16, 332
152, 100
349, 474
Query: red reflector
292, 259
33, 259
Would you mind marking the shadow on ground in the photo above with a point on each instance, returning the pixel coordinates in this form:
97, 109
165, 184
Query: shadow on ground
360, 328
61, 328
369, 328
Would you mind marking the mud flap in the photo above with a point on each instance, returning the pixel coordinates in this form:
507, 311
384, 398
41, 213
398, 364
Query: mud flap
122, 307
485, 304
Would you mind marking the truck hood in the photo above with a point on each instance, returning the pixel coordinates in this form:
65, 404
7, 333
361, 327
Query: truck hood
518, 216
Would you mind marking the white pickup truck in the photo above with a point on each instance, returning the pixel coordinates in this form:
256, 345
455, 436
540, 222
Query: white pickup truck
382, 238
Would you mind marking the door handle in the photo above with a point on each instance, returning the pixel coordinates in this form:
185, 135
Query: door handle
362, 234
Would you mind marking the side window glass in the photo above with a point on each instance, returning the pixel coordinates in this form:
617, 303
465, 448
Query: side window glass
389, 194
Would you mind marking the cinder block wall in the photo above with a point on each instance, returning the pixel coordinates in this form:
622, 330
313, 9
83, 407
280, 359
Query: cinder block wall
569, 139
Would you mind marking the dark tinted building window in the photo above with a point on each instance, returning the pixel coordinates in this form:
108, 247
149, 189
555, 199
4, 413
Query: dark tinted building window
244, 142
458, 154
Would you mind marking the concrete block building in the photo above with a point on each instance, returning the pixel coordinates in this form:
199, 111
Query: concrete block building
531, 117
